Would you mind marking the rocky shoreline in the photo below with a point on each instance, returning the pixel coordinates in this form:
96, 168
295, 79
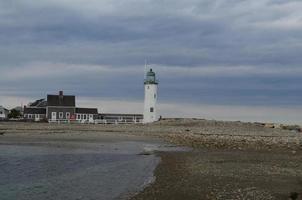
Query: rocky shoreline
226, 174
187, 132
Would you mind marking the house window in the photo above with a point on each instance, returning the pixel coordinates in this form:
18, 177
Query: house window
90, 116
78, 116
67, 115
151, 109
84, 116
1, 112
61, 115
30, 116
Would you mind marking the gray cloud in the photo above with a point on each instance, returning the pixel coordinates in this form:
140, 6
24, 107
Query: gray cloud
170, 33
214, 52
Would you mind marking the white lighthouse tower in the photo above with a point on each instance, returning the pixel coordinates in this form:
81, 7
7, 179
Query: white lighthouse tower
150, 97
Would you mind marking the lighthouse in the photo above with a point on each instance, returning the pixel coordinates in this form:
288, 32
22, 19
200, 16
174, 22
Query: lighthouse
150, 97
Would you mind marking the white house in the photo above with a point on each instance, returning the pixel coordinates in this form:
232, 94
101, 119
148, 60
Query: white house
3, 113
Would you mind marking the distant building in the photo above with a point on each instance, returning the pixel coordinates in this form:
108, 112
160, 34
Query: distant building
84, 114
3, 113
59, 108
62, 107
35, 113
111, 118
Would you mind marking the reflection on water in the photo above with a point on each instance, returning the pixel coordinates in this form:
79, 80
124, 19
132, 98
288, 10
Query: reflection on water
74, 170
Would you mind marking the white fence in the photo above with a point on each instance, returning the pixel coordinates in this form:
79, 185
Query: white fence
59, 121
96, 121
113, 121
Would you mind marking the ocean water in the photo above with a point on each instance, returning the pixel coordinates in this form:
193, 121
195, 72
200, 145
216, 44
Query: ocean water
71, 170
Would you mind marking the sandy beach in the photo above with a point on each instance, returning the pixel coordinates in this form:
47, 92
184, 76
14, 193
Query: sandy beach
223, 160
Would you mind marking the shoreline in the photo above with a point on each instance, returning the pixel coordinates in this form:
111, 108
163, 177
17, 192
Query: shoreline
184, 132
228, 159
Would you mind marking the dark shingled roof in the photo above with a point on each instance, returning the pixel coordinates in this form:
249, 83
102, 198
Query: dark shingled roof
61, 100
34, 110
87, 111
38, 103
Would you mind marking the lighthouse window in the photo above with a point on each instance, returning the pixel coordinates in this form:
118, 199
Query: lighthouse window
148, 87
154, 96
151, 109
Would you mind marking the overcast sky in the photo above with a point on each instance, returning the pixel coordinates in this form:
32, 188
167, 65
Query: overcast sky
222, 59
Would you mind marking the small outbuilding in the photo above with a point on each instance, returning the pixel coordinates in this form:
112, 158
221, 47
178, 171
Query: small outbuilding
115, 118
86, 114
35, 114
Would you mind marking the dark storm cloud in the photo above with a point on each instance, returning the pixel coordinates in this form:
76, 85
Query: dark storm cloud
248, 52
207, 36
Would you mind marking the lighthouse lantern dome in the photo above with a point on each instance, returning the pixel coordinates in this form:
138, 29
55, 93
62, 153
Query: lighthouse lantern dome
150, 78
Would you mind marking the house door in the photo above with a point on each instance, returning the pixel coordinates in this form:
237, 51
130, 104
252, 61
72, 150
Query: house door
53, 116
90, 118
37, 117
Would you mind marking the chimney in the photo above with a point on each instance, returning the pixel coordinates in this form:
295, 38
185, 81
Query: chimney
61, 97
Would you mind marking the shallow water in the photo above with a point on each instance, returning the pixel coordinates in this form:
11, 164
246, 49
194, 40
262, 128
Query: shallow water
75, 170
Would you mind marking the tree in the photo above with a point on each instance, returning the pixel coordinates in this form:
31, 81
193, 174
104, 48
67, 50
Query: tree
14, 114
